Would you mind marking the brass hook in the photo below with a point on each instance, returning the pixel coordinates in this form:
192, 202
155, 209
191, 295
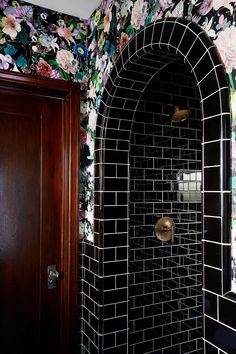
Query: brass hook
165, 229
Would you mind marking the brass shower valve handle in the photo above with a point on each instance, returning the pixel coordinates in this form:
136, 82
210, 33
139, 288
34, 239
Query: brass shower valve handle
165, 229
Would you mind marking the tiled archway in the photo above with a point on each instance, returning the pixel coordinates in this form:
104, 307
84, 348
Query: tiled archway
145, 55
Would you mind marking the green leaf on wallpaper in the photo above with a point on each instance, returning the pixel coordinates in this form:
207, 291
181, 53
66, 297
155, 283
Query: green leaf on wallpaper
122, 26
130, 30
113, 22
84, 121
68, 23
23, 36
149, 19
112, 50
10, 50
190, 9
233, 182
21, 62
80, 75
101, 26
53, 64
1, 34
64, 75
74, 23
91, 132
93, 60
231, 81
84, 65
100, 87
106, 46
82, 37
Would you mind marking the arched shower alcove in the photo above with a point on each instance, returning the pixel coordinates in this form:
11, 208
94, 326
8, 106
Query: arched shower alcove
170, 43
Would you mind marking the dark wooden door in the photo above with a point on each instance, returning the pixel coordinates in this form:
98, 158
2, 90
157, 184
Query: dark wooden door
38, 159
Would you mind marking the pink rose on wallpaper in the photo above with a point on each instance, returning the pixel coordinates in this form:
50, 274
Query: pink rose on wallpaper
3, 4
4, 62
225, 44
205, 7
66, 61
107, 20
165, 4
105, 5
66, 32
139, 14
216, 4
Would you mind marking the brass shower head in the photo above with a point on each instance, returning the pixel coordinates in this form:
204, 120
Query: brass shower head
180, 114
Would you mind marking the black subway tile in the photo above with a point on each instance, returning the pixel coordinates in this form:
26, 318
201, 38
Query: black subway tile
212, 229
213, 280
222, 336
210, 349
115, 212
212, 204
115, 268
212, 254
115, 324
212, 179
118, 184
210, 304
212, 154
116, 350
227, 310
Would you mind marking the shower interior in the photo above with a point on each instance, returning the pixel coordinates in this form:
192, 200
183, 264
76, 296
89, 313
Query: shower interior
165, 284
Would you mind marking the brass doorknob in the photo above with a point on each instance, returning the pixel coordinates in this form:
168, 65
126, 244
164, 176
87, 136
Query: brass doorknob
53, 275
165, 229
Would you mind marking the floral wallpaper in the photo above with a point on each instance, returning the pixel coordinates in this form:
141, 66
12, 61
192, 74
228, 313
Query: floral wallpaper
46, 43
41, 42
110, 28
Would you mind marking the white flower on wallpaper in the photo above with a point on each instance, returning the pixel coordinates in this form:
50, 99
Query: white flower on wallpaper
92, 119
217, 4
208, 5
139, 14
125, 7
178, 10
107, 20
207, 26
11, 26
226, 44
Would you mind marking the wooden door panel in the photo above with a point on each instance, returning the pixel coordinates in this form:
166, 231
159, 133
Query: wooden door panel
20, 143
52, 219
38, 214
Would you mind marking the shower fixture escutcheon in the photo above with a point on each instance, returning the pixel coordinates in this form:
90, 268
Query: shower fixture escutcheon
165, 229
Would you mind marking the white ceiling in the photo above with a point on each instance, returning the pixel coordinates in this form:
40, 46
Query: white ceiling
78, 8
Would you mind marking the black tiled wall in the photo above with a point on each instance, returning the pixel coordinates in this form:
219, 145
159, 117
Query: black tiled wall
90, 311
105, 262
165, 296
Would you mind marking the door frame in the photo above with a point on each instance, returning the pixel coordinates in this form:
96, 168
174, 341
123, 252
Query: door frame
69, 93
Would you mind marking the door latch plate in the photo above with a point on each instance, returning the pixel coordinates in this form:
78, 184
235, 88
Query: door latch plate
53, 275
